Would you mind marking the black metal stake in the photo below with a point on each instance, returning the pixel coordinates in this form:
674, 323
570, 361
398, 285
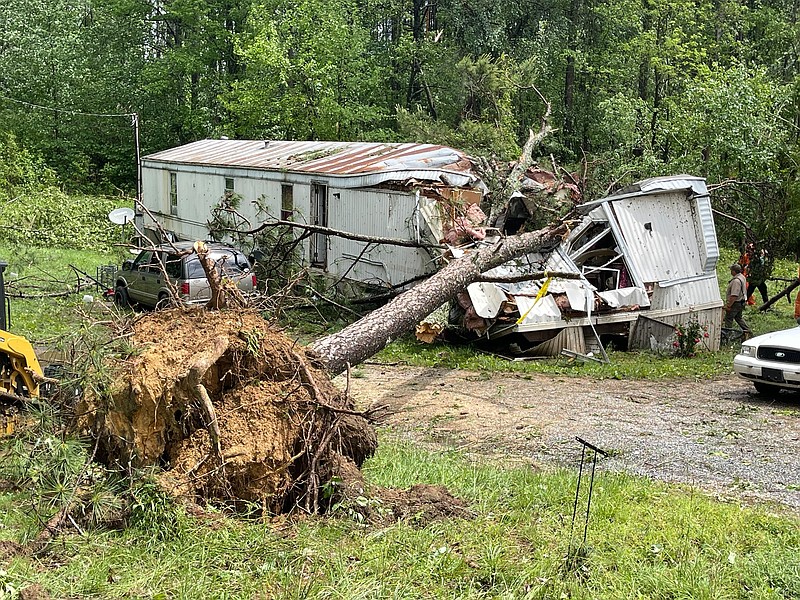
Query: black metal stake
595, 451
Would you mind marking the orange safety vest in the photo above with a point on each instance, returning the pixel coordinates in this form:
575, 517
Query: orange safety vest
797, 299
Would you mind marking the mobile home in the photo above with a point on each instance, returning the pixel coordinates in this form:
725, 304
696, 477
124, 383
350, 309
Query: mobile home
371, 189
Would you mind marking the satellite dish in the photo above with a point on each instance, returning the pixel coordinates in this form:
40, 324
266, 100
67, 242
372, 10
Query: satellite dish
121, 216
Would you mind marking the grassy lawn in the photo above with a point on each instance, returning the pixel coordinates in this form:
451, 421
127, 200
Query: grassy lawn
40, 273
644, 540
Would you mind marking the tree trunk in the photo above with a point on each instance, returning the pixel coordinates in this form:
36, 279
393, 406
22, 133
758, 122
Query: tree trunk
369, 335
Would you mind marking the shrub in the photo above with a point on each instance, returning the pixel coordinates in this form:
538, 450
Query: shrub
688, 336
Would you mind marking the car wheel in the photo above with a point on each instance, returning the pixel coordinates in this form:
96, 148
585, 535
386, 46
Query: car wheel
121, 297
163, 301
763, 388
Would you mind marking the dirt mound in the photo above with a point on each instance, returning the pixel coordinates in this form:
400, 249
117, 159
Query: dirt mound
9, 550
34, 592
232, 409
420, 504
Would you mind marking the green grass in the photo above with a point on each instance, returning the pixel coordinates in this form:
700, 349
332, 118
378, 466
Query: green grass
37, 272
645, 540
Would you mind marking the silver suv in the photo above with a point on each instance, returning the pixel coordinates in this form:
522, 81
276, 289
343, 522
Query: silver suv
142, 279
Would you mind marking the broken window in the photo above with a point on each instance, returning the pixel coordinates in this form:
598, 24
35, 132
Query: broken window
287, 202
601, 262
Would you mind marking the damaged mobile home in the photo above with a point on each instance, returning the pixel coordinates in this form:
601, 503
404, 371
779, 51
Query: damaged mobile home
372, 189
641, 261
636, 264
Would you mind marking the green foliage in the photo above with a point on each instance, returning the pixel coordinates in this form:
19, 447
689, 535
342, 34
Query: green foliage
20, 170
46, 217
688, 337
728, 124
53, 473
153, 513
308, 73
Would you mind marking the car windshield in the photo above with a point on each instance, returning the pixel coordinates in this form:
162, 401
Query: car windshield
230, 261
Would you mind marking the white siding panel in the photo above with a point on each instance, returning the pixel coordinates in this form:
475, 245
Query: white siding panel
379, 214
710, 251
687, 294
661, 234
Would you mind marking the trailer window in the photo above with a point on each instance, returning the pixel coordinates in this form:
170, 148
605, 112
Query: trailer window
287, 202
173, 193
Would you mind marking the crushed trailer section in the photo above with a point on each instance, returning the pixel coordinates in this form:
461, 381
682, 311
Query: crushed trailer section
638, 263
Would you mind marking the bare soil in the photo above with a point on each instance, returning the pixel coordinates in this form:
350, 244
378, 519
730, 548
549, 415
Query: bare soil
718, 435
231, 408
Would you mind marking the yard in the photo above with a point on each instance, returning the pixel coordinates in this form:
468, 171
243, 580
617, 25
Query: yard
471, 493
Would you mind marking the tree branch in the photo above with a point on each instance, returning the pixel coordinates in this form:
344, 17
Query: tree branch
337, 233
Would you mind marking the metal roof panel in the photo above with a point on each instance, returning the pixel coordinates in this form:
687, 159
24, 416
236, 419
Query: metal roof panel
329, 158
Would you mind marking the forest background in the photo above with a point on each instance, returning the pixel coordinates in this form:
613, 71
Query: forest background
638, 88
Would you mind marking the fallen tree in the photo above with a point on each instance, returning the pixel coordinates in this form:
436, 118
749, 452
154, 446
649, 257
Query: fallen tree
237, 413
369, 335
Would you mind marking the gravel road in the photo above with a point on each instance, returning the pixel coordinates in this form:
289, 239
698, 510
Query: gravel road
717, 435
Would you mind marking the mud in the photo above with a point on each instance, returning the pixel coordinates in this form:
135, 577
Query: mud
230, 408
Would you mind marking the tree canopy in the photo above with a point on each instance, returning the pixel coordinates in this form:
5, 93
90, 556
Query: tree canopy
637, 87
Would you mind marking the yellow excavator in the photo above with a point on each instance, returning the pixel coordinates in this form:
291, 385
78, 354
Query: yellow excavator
20, 371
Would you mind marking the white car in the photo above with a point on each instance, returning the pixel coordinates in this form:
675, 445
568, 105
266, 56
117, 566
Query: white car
771, 361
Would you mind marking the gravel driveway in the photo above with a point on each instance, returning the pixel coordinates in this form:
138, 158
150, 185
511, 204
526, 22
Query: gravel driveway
718, 435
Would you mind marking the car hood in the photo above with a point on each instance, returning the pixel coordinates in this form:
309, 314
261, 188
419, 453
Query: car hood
785, 337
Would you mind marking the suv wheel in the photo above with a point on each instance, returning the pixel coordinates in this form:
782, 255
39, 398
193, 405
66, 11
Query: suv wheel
164, 301
121, 297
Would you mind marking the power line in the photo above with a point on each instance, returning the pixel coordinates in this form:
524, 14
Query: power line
134, 117
76, 113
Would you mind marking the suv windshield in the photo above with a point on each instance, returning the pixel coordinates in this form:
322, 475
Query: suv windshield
231, 263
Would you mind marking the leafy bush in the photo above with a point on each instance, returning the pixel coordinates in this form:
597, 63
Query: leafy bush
47, 217
688, 336
20, 170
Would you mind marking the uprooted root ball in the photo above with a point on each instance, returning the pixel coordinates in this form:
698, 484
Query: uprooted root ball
232, 410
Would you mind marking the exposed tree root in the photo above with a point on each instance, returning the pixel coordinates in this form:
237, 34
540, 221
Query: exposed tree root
232, 410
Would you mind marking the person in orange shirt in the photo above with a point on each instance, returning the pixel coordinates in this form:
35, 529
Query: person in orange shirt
797, 301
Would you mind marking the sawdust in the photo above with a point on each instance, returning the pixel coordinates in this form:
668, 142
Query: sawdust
274, 429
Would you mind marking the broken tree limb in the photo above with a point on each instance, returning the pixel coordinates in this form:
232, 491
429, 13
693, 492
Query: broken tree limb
193, 379
514, 180
337, 233
774, 299
223, 292
217, 300
369, 335
212, 425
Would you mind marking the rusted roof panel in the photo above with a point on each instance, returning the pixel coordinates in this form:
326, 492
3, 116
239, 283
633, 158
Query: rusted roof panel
330, 158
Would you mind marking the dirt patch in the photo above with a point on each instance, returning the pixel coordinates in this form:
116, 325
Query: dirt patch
419, 505
717, 434
231, 408
9, 550
34, 592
